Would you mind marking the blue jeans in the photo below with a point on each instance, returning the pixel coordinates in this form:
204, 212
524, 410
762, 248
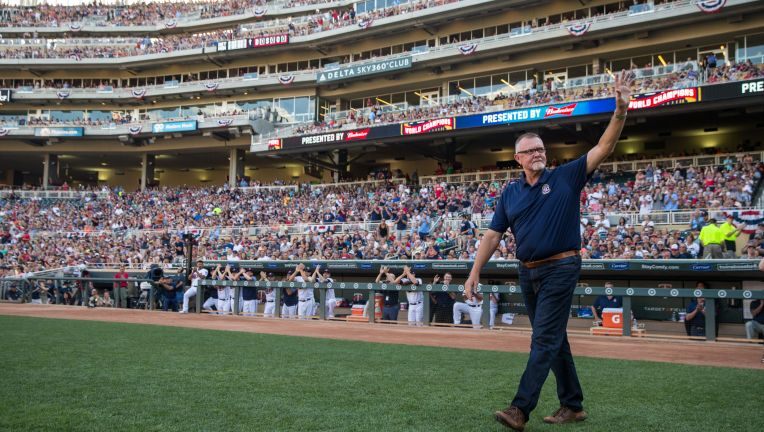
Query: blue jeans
390, 312
548, 293
170, 302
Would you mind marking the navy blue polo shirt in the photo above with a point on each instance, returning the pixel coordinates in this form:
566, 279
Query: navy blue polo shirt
699, 320
290, 299
545, 217
603, 302
248, 293
760, 317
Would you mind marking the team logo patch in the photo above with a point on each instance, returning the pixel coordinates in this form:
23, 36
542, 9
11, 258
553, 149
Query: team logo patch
545, 189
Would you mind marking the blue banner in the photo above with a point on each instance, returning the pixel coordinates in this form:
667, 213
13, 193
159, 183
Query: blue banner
176, 126
546, 112
59, 132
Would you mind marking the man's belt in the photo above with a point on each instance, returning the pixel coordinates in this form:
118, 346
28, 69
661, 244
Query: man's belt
555, 257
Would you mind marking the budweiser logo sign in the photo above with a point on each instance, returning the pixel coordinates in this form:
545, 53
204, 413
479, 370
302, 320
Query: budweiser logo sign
357, 135
566, 110
436, 125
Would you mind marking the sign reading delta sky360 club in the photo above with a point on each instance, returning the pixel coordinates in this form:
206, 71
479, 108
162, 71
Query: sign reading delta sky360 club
365, 69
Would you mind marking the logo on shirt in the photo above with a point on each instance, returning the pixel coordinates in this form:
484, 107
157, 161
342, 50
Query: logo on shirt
545, 189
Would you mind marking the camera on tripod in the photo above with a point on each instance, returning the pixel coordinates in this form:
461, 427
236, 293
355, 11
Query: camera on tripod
155, 273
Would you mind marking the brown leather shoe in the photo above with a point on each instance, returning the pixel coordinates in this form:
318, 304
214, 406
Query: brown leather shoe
565, 415
512, 418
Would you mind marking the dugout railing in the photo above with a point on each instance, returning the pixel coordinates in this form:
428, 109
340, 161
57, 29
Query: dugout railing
627, 293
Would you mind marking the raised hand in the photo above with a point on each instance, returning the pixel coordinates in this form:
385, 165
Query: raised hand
623, 82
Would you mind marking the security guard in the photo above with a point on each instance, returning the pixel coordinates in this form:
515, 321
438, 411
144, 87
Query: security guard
711, 238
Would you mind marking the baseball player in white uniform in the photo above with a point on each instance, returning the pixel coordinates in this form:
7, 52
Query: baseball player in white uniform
196, 275
415, 298
304, 295
234, 273
223, 291
472, 306
331, 301
494, 299
270, 296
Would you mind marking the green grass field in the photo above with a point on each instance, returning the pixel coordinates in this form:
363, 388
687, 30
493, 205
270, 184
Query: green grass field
78, 376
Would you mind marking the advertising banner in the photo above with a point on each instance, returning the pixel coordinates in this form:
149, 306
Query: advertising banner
520, 115
428, 126
362, 70
732, 90
176, 126
5, 95
59, 132
342, 136
664, 98
256, 42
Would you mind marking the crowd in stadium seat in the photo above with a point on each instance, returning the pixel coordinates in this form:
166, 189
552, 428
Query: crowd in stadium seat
149, 13
547, 93
113, 48
15, 121
431, 221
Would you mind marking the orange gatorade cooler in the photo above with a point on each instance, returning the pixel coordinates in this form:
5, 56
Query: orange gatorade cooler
612, 317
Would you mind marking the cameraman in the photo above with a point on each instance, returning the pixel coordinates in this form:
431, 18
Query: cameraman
168, 289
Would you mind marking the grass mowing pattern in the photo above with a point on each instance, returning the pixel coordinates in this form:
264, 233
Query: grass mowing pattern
95, 376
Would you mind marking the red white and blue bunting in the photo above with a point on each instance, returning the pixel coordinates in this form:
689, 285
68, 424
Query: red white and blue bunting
711, 6
365, 23
4, 132
468, 49
286, 79
63, 94
751, 219
139, 93
135, 129
322, 228
170, 24
211, 86
260, 12
579, 29
75, 27
225, 122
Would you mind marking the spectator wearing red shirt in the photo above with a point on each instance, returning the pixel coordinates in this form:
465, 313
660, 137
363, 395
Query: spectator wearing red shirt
120, 288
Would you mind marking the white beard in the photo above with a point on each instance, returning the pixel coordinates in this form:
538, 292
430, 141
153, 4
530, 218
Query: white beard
538, 166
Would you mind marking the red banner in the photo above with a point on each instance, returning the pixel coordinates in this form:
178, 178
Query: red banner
663, 98
428, 126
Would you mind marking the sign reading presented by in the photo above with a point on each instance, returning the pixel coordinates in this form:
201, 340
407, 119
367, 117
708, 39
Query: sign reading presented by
733, 90
362, 70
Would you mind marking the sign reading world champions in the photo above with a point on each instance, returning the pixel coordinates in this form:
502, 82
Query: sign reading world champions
546, 112
365, 69
176, 126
